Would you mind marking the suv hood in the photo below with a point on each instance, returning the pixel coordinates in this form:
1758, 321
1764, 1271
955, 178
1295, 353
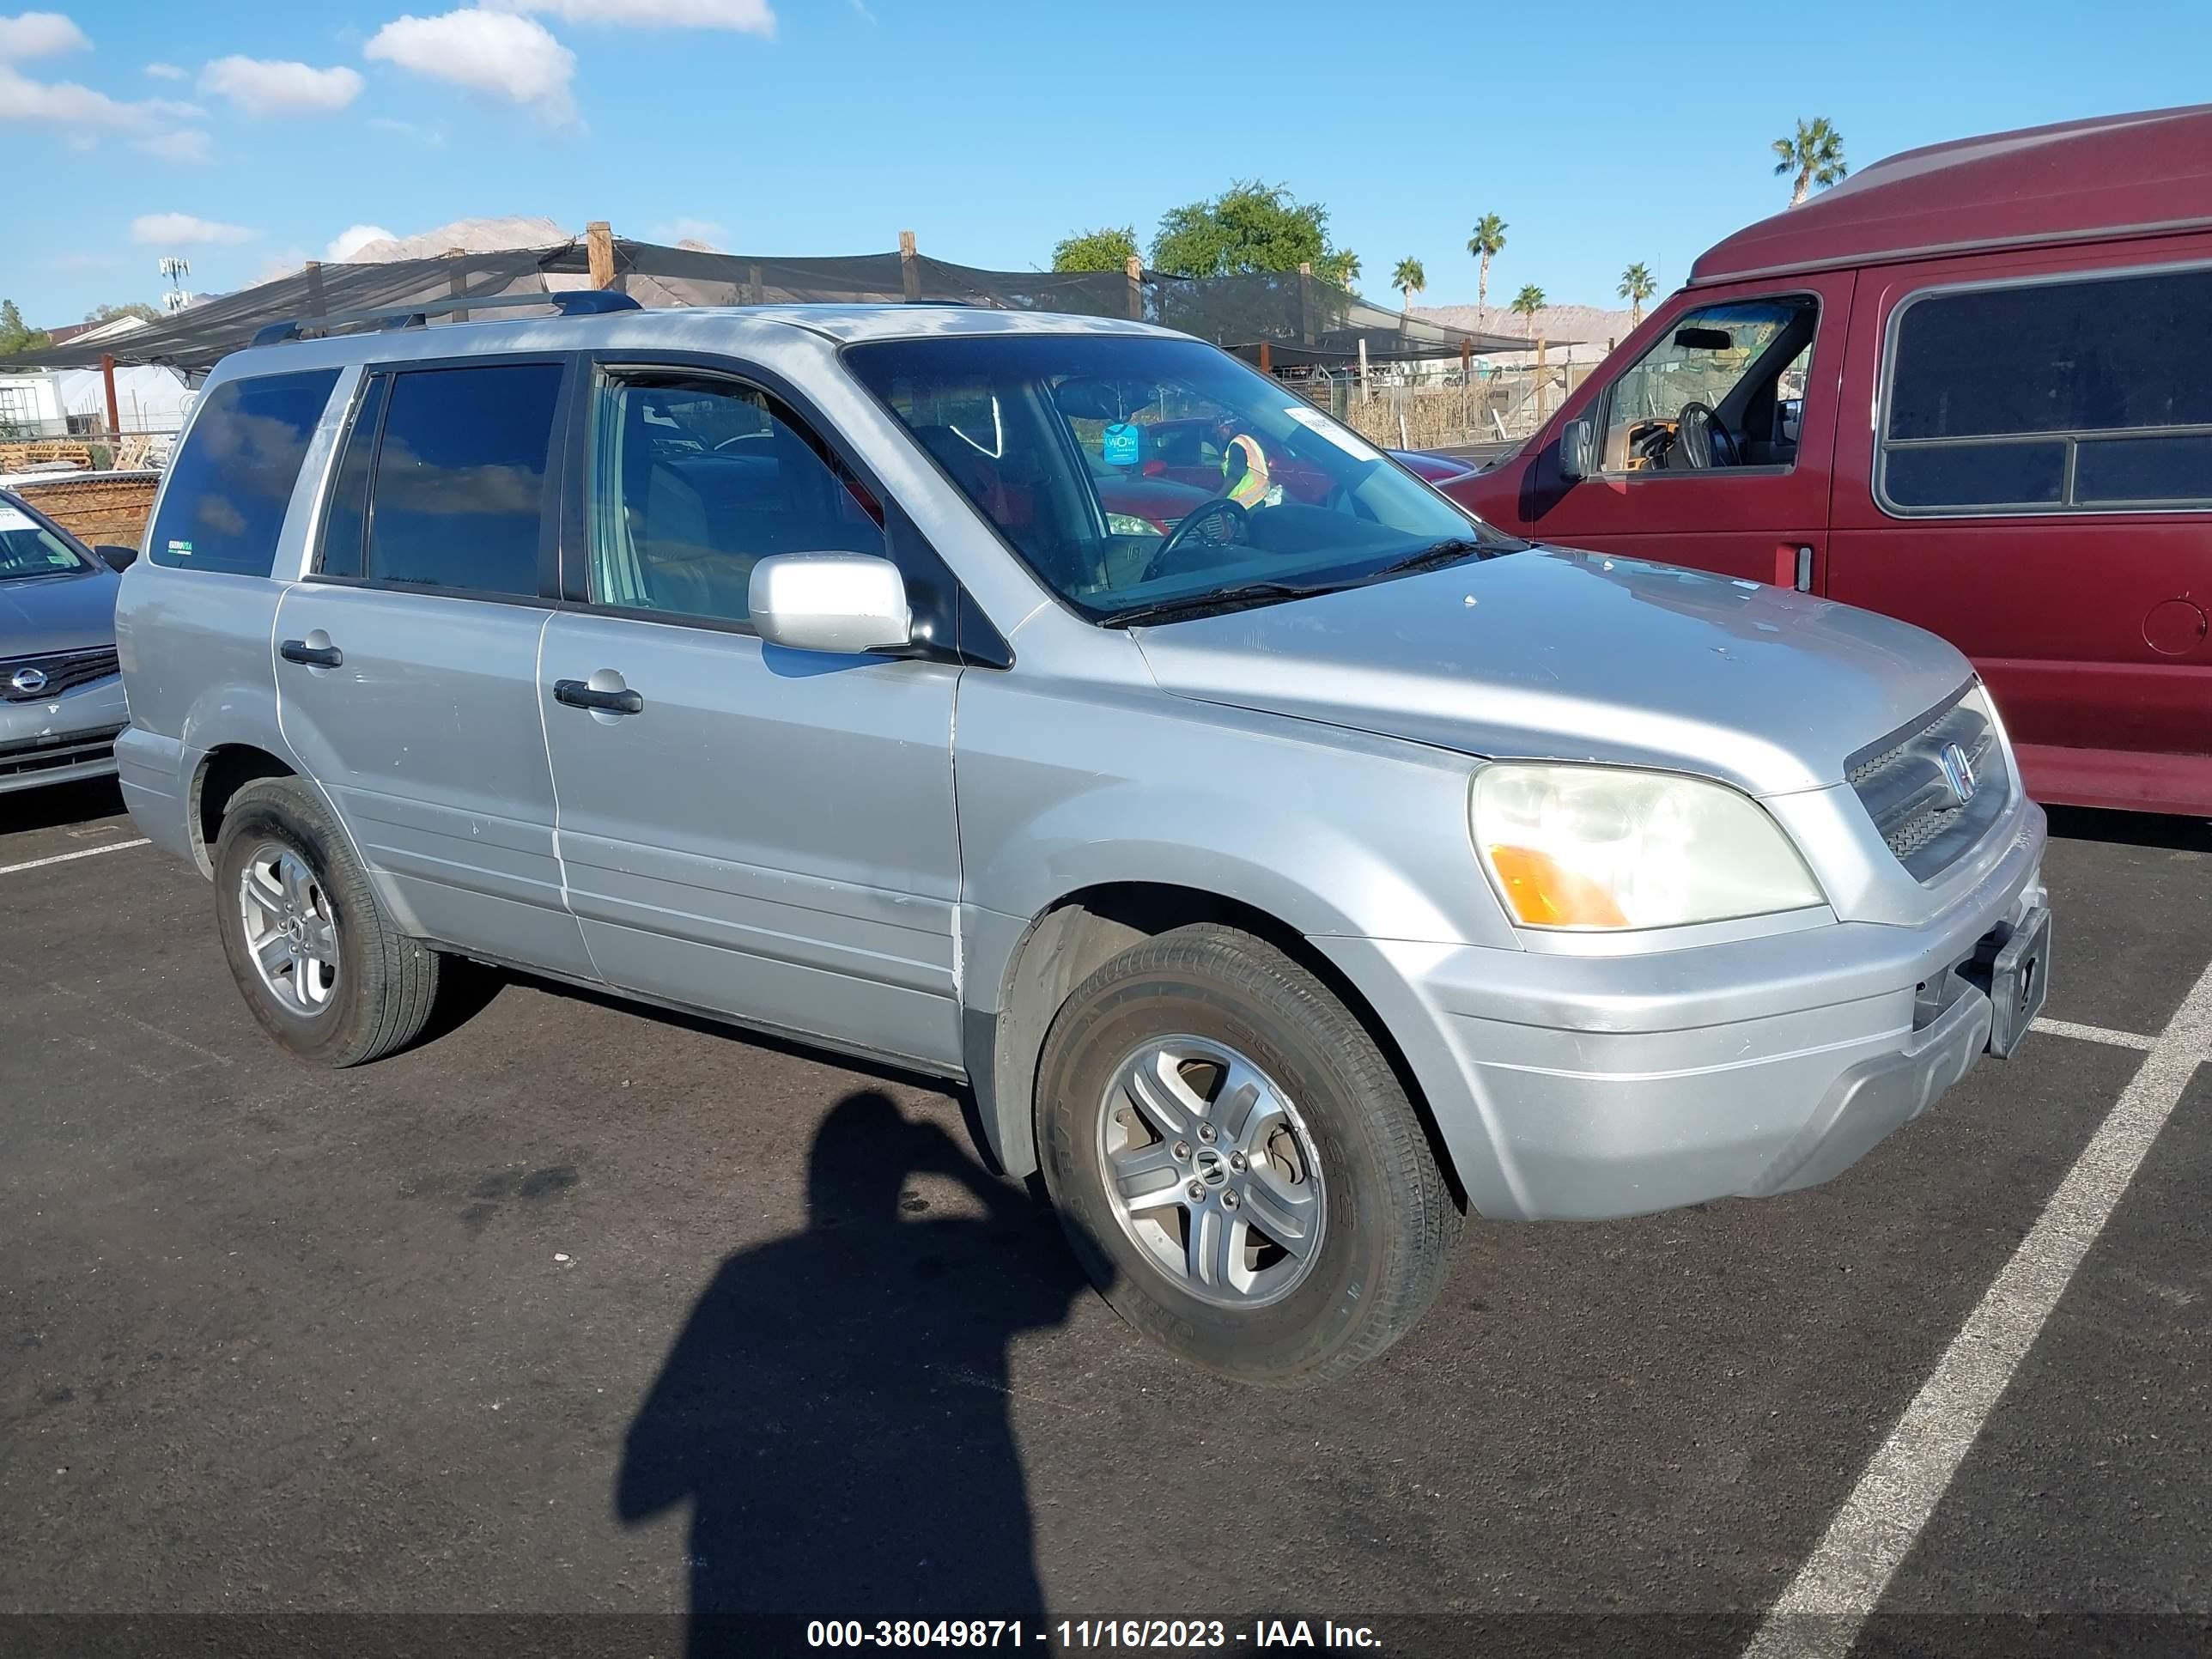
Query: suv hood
1562, 655
68, 612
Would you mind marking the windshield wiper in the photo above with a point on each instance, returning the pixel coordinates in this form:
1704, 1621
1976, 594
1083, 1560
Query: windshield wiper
1219, 599
1435, 555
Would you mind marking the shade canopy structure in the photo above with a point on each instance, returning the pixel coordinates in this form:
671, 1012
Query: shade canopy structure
1300, 318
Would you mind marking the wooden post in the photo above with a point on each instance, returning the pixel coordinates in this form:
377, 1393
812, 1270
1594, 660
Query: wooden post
1365, 392
107, 381
753, 283
1540, 379
599, 248
909, 266
315, 302
1305, 303
1266, 358
1134, 269
1466, 375
457, 280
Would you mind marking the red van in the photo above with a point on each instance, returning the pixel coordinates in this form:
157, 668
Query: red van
1970, 386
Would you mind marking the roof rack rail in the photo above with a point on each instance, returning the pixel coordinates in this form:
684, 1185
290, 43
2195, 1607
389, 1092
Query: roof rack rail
573, 302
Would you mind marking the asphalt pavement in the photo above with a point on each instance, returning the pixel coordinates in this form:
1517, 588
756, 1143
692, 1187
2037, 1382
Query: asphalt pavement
580, 1310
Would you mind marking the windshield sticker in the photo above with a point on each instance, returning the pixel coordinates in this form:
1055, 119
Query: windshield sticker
15, 518
182, 549
1124, 445
1318, 423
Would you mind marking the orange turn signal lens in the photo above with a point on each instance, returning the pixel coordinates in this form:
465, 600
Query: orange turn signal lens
1543, 894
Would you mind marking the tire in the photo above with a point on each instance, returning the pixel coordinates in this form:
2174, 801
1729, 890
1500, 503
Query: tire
1378, 1222
377, 987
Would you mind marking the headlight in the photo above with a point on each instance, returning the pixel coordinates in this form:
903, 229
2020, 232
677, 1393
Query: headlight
1125, 524
1596, 846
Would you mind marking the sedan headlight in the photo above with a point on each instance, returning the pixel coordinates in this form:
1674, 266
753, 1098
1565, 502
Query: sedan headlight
1597, 847
1128, 524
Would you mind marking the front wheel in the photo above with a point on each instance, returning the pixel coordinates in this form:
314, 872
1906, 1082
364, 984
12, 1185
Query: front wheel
1236, 1162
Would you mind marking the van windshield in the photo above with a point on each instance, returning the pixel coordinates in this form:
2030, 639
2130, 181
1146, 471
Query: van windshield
1145, 478
28, 548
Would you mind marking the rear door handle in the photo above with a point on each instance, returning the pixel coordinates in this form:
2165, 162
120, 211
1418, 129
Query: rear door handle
314, 656
579, 695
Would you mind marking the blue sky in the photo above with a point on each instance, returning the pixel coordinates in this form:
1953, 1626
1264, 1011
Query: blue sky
1603, 134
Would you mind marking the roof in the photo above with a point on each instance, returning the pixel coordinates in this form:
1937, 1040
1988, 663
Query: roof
2113, 175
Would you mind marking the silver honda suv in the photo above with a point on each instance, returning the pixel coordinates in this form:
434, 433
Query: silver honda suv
1291, 864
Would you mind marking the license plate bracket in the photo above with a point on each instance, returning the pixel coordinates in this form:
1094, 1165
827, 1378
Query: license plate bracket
2019, 978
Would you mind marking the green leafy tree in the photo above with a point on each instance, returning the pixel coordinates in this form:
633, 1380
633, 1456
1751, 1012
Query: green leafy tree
1487, 242
1526, 304
1815, 155
1109, 248
138, 308
1636, 286
1250, 228
15, 334
1409, 279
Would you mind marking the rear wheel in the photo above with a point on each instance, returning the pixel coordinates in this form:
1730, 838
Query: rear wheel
1237, 1164
319, 963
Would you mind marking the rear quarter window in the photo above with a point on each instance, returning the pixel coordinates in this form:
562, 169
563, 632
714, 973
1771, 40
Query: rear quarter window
229, 487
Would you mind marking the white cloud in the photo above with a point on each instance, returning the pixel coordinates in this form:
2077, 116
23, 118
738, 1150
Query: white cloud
433, 136
66, 104
743, 16
165, 71
39, 34
171, 229
183, 145
285, 262
354, 238
260, 86
492, 53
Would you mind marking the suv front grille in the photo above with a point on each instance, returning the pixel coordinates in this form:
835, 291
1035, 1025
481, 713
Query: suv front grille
64, 671
1905, 789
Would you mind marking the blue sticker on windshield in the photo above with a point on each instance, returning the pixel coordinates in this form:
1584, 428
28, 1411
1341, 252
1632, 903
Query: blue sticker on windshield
1125, 444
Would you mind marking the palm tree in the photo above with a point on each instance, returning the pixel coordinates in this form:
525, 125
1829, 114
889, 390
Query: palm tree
1815, 155
1409, 279
1526, 304
1486, 244
1636, 286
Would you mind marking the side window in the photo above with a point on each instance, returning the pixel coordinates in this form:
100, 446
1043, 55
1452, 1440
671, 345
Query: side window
230, 485
1744, 360
2085, 395
695, 480
458, 494
345, 523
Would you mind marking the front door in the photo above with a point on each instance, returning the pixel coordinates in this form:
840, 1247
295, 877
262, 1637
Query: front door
758, 832
407, 670
1757, 369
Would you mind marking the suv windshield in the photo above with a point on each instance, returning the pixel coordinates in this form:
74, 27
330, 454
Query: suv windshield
28, 548
1146, 477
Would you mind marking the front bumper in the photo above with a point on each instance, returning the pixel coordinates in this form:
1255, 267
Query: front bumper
1587, 1087
60, 739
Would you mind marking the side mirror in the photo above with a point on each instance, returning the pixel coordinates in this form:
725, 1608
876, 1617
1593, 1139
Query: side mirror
115, 557
847, 603
1578, 451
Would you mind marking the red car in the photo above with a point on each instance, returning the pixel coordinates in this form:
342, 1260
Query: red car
1970, 387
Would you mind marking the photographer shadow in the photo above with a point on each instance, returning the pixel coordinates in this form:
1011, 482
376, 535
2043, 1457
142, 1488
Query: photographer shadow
836, 1408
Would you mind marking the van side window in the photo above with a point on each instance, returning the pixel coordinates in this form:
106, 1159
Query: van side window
345, 522
460, 491
231, 484
2084, 395
1740, 365
694, 480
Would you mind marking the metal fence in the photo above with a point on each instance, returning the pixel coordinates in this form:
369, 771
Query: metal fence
1422, 406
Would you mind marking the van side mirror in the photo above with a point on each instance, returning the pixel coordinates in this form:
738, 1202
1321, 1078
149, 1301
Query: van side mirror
846, 603
115, 557
1578, 451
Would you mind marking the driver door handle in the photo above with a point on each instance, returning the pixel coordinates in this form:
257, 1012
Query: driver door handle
314, 656
577, 695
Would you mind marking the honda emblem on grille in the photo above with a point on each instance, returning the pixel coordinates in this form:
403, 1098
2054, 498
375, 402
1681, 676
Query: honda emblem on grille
27, 682
1958, 772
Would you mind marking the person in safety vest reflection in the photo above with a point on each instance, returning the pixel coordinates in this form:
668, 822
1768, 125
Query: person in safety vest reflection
1244, 467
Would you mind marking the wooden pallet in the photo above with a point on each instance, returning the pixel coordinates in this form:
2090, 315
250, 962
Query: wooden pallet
96, 507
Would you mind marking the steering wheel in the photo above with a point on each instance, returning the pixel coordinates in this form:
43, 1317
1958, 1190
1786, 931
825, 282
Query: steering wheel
1228, 517
1701, 440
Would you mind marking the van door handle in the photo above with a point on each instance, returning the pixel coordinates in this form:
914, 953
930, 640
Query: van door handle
579, 695
314, 656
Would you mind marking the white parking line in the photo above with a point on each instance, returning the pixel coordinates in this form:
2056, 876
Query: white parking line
1821, 1612
64, 858
2106, 1034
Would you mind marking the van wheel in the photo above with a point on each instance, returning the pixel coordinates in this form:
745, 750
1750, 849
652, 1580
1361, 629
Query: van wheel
1237, 1164
320, 966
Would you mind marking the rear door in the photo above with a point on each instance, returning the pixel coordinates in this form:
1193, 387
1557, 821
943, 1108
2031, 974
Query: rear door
754, 831
407, 670
2036, 486
1767, 360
